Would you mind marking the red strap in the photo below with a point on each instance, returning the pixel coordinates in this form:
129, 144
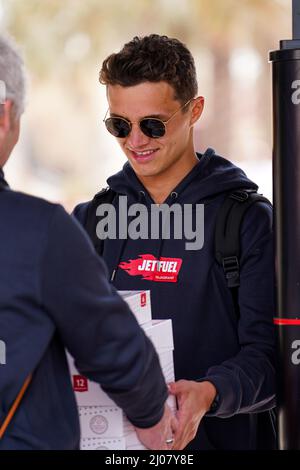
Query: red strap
287, 321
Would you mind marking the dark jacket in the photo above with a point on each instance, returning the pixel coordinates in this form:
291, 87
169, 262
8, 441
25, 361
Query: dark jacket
54, 295
233, 351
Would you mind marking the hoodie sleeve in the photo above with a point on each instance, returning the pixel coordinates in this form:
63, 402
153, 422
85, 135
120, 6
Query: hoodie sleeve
96, 325
246, 383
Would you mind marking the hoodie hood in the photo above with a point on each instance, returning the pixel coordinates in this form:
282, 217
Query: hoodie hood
211, 176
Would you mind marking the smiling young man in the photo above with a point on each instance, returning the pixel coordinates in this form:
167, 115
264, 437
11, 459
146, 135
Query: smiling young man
224, 349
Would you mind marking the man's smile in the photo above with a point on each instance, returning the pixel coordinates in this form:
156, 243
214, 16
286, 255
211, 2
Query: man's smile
143, 156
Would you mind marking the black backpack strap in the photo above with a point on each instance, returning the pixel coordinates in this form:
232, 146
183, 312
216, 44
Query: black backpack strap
227, 232
105, 196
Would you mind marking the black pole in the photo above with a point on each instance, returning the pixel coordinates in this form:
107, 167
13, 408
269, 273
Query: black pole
286, 178
296, 19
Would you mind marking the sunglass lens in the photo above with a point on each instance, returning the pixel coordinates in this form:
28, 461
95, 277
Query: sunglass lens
153, 128
117, 127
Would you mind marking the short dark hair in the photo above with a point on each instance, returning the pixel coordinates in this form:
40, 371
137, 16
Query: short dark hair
152, 58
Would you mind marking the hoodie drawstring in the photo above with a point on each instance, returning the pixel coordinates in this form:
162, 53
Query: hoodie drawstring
114, 271
142, 195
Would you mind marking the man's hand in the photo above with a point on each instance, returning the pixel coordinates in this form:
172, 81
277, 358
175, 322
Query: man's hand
194, 399
155, 437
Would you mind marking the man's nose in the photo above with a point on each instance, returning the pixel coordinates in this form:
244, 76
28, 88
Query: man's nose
136, 137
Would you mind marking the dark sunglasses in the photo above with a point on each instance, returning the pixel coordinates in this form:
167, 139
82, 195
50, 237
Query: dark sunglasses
151, 127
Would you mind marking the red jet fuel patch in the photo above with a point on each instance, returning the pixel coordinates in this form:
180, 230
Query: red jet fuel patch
152, 269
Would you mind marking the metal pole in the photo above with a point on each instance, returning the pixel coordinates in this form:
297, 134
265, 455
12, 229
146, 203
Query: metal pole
296, 19
286, 178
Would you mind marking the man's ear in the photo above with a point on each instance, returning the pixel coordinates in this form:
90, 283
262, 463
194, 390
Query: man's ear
5, 118
197, 108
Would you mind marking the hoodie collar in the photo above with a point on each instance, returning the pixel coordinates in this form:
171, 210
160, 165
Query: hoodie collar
211, 176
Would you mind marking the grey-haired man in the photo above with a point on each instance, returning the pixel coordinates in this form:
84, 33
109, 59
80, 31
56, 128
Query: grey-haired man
54, 295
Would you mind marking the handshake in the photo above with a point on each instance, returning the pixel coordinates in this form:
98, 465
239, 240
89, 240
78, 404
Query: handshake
174, 432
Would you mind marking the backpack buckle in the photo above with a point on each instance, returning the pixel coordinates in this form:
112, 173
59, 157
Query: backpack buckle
232, 271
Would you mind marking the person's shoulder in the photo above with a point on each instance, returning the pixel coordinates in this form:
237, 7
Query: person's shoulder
25, 205
35, 219
259, 217
40, 212
257, 226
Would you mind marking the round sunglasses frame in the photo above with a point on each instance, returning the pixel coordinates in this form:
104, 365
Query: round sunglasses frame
130, 123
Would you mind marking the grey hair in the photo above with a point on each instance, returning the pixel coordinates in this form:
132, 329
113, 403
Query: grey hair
12, 74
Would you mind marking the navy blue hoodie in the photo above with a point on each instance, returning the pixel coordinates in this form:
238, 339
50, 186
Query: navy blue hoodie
235, 353
54, 294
